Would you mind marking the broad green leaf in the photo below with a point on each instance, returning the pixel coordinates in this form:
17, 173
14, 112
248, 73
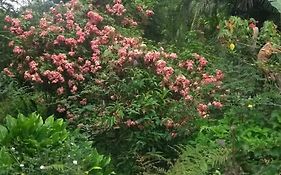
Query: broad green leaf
49, 121
3, 133
11, 122
276, 4
5, 158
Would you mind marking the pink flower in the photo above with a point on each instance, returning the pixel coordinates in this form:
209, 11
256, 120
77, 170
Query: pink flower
95, 18
208, 79
117, 9
122, 52
189, 65
18, 50
8, 72
11, 43
73, 89
81, 36
149, 13
173, 56
70, 41
217, 104
33, 65
202, 109
139, 8
83, 101
59, 39
69, 67
27, 15
129, 22
182, 81
168, 71
59, 59
188, 97
173, 134
202, 61
54, 76
43, 24
79, 77
71, 53
219, 75
130, 123
61, 109
152, 56
16, 22
60, 90
8, 19
33, 77
160, 65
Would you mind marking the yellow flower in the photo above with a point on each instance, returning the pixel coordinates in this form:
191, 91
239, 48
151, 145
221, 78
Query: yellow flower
231, 46
250, 106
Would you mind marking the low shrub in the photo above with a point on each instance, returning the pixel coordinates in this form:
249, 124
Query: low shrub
33, 146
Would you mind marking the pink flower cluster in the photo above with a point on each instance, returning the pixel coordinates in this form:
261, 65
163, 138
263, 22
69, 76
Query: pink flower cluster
27, 15
208, 79
149, 13
162, 69
61, 109
187, 64
8, 72
202, 109
60, 90
117, 9
69, 16
94, 17
16, 27
32, 76
202, 61
129, 22
18, 50
54, 76
217, 104
152, 56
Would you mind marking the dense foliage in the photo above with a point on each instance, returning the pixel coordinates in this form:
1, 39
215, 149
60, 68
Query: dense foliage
160, 87
31, 145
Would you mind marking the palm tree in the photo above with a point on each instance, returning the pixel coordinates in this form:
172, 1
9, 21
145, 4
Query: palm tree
7, 6
270, 5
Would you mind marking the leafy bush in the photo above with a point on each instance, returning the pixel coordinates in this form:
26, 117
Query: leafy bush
85, 64
236, 31
33, 146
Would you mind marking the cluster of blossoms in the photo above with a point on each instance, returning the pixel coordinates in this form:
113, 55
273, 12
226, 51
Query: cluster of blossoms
70, 54
117, 9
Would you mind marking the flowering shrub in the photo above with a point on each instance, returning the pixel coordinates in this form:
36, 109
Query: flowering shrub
237, 31
62, 54
79, 56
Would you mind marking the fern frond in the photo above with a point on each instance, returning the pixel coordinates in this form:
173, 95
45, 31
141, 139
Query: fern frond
199, 160
57, 167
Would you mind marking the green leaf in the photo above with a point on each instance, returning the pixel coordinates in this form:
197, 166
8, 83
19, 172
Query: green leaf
276, 4
3, 133
5, 158
49, 121
11, 122
96, 168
